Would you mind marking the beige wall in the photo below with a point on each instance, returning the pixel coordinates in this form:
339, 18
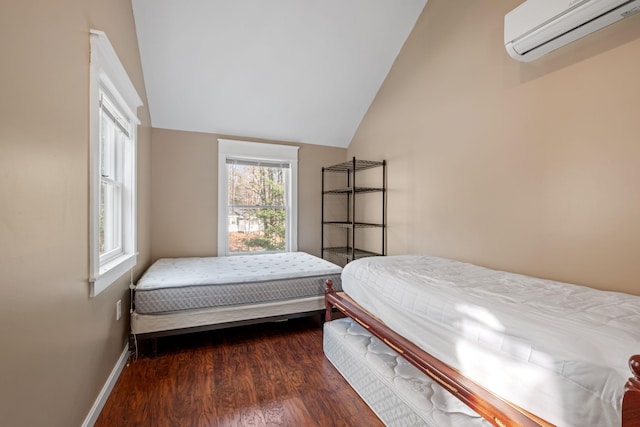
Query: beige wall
58, 345
533, 168
185, 193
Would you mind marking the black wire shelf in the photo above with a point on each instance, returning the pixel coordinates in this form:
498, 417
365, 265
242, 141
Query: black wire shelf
349, 166
350, 238
350, 190
349, 224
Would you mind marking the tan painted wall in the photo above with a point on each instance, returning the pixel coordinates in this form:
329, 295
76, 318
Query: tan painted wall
533, 168
58, 345
185, 193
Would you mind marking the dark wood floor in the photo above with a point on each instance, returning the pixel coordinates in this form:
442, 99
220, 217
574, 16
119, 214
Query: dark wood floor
273, 374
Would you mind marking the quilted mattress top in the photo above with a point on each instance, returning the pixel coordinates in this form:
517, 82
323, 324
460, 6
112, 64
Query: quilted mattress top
177, 272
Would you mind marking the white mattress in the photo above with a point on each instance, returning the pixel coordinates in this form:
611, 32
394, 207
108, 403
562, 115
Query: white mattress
396, 391
558, 350
180, 284
176, 272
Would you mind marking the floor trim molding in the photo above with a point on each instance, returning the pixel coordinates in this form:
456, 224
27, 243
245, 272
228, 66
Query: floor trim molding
92, 417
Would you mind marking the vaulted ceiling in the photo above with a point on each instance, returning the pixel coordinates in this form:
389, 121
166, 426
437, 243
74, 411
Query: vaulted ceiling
289, 70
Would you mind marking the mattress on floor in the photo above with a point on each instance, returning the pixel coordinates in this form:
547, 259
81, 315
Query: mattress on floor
178, 284
395, 390
558, 350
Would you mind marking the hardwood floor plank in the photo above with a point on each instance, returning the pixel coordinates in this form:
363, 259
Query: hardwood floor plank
269, 375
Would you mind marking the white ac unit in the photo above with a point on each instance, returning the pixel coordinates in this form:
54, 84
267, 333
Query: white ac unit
537, 27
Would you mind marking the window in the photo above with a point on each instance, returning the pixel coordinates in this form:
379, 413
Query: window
257, 197
112, 154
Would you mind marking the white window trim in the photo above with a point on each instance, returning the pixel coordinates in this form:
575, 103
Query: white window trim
107, 71
256, 151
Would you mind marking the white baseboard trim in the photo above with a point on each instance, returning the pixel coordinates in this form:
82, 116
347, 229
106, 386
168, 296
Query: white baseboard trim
92, 417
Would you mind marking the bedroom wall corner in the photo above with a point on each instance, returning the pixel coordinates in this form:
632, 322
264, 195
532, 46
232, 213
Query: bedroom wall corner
312, 159
184, 192
531, 168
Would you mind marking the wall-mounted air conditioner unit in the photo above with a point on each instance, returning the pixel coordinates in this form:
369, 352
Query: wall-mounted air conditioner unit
537, 27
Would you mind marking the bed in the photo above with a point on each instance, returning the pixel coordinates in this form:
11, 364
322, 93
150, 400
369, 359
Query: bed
179, 295
516, 350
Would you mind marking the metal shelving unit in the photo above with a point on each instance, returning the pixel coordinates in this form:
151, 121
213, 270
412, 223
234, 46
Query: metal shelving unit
350, 251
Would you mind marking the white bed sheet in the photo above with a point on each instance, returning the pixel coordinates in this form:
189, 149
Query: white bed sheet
558, 350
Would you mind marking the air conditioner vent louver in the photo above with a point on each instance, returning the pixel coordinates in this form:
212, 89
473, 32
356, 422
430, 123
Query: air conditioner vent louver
633, 11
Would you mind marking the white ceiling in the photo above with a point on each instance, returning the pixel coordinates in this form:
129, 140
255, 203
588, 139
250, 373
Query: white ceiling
289, 70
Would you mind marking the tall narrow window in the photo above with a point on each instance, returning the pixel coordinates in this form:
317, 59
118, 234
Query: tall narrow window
257, 198
112, 152
114, 137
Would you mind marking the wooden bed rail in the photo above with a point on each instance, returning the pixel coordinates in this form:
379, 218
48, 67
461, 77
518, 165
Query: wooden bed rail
631, 399
499, 412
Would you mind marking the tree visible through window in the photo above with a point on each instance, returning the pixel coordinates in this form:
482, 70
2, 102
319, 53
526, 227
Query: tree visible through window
256, 205
257, 197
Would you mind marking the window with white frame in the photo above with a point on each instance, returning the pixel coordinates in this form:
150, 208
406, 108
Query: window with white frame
112, 153
257, 197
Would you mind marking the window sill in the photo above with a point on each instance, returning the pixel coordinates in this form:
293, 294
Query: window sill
110, 272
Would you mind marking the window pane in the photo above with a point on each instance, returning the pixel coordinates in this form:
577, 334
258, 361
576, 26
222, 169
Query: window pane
106, 146
110, 236
256, 229
112, 140
256, 208
256, 185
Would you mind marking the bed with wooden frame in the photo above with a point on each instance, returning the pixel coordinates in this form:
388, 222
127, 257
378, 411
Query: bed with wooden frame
426, 289
183, 295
